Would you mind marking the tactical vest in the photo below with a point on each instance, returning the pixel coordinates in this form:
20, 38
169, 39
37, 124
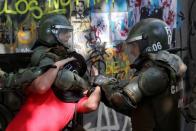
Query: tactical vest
156, 74
66, 90
175, 66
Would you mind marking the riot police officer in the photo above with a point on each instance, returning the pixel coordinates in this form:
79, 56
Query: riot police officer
59, 92
151, 96
51, 46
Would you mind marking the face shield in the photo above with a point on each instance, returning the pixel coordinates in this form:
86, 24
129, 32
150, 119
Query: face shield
133, 50
64, 37
63, 34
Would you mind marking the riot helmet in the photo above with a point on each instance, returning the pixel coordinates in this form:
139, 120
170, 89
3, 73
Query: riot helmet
151, 35
54, 29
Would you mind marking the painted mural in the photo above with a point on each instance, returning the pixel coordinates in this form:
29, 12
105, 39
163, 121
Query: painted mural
100, 27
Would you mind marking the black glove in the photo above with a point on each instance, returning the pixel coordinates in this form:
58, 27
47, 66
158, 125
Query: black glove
102, 80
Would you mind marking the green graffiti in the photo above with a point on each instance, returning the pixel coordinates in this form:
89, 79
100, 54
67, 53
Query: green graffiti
117, 67
53, 6
6, 10
56, 4
61, 11
66, 3
33, 6
18, 3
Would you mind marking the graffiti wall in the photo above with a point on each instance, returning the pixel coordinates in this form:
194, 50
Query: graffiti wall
100, 26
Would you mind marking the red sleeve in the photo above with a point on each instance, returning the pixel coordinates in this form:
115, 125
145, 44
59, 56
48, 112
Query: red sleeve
80, 105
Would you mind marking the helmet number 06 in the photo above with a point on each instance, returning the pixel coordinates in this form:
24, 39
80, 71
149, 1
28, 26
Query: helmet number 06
156, 46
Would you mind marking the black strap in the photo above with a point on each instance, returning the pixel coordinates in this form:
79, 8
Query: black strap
67, 96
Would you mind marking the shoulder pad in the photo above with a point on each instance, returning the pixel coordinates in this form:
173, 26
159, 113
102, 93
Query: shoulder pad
42, 56
172, 60
153, 81
36, 56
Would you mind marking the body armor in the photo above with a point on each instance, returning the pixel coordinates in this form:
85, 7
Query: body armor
158, 73
22, 78
68, 79
147, 83
46, 52
69, 84
51, 46
166, 72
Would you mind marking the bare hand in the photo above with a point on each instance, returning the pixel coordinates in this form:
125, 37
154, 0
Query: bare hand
61, 63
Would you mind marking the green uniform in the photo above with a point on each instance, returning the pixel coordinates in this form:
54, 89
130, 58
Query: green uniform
150, 98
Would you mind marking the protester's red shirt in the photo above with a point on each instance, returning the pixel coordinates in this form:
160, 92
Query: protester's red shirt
45, 113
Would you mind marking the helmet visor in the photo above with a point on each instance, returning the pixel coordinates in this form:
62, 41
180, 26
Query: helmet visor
133, 49
64, 36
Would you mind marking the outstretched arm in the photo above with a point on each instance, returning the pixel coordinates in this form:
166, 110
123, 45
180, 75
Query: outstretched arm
91, 103
42, 83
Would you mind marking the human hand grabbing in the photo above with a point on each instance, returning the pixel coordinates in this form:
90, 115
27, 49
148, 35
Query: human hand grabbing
61, 63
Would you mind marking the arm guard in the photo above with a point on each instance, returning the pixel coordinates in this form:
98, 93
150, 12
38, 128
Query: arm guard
116, 99
68, 81
113, 95
42, 56
23, 77
148, 83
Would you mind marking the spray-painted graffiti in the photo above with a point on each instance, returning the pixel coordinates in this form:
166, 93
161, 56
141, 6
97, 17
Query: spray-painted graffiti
110, 61
119, 6
100, 23
51, 6
106, 119
92, 38
99, 26
81, 27
169, 12
97, 59
117, 63
117, 69
119, 26
106, 26
27, 6
165, 10
4, 31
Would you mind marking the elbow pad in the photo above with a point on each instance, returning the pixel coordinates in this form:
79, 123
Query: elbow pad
150, 82
121, 103
24, 77
67, 80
